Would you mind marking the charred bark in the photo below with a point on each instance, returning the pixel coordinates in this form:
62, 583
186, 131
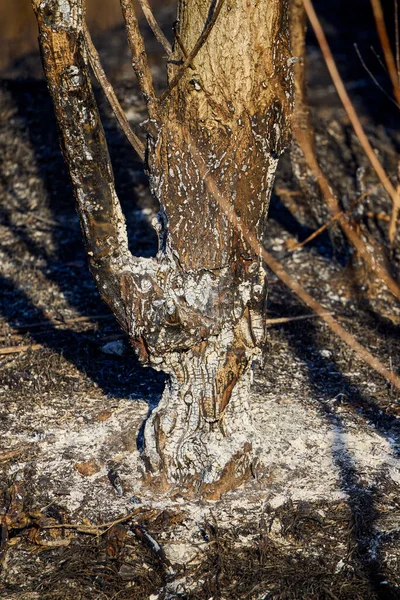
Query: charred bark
196, 310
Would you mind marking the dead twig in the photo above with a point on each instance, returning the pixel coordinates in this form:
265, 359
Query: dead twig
374, 79
156, 29
347, 104
192, 55
19, 349
305, 142
385, 44
33, 347
108, 90
139, 57
93, 529
59, 323
280, 320
8, 454
335, 218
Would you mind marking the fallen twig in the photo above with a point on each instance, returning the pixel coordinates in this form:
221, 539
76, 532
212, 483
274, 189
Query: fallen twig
19, 349
59, 323
93, 529
280, 320
7, 454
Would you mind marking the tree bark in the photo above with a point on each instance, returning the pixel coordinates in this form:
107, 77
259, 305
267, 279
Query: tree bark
196, 310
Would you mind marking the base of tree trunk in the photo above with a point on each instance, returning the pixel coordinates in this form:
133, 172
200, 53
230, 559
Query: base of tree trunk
192, 440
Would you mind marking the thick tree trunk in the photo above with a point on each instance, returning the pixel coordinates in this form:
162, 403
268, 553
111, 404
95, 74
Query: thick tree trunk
196, 311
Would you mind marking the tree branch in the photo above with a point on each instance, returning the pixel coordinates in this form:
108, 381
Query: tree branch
108, 90
139, 57
63, 47
156, 29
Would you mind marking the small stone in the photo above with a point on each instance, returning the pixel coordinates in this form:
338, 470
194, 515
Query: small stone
87, 468
117, 348
104, 415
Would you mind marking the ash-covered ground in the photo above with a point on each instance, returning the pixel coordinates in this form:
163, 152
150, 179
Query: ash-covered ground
321, 518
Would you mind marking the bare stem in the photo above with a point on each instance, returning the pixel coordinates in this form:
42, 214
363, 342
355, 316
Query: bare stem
139, 57
387, 50
397, 33
192, 55
331, 221
108, 90
156, 29
348, 106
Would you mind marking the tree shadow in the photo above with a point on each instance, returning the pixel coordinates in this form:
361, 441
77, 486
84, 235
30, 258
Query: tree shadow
118, 377
62, 259
333, 389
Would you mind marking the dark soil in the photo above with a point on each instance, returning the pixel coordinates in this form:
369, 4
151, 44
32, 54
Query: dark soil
345, 549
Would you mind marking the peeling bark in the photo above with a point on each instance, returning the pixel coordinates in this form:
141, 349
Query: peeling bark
196, 310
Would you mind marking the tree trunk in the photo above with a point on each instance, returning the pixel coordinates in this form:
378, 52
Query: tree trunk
196, 310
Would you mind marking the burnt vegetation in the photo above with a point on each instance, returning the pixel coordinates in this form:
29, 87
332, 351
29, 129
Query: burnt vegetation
55, 328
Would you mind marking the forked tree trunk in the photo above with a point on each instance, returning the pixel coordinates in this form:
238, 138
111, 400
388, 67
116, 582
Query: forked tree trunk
196, 310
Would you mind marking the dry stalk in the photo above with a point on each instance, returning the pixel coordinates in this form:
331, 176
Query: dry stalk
156, 29
139, 57
321, 229
118, 111
394, 77
192, 55
350, 110
386, 48
94, 529
19, 349
303, 137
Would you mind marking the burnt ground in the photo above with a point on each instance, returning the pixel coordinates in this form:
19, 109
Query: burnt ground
325, 522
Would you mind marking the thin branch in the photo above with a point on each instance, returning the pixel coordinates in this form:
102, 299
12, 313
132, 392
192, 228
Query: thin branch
385, 43
350, 110
394, 216
180, 44
397, 33
277, 268
60, 323
379, 59
117, 109
303, 137
282, 320
139, 57
93, 529
156, 29
335, 218
192, 55
374, 79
